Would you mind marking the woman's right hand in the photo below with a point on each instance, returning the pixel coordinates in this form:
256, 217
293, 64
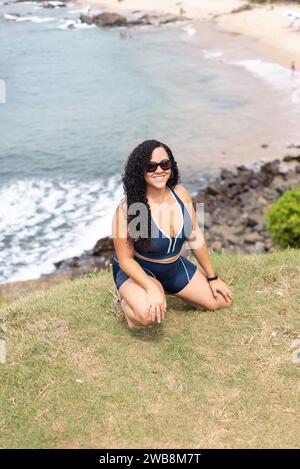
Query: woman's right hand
156, 303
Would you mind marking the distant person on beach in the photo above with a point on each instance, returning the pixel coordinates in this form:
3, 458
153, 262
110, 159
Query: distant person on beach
148, 262
293, 67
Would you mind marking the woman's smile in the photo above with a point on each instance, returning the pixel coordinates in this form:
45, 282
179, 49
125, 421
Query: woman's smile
159, 177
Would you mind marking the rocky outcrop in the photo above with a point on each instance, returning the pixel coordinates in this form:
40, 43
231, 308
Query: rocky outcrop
241, 8
105, 19
235, 204
54, 4
292, 158
108, 19
96, 259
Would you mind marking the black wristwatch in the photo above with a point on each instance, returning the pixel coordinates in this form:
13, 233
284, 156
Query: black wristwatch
215, 277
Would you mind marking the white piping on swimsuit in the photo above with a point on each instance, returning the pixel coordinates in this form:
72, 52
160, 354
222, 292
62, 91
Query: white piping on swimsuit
185, 269
170, 243
142, 268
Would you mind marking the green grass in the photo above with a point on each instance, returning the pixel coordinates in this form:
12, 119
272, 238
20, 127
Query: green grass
77, 377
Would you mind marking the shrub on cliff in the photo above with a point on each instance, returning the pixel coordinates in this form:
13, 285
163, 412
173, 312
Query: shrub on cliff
283, 219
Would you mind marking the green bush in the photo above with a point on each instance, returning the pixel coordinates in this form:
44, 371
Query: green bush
283, 219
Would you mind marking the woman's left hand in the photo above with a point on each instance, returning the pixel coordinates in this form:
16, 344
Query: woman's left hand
219, 286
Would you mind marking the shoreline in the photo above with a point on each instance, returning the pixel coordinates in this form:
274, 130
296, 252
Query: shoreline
266, 24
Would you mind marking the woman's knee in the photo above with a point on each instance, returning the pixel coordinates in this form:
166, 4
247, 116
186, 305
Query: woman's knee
142, 320
219, 304
145, 322
138, 314
141, 316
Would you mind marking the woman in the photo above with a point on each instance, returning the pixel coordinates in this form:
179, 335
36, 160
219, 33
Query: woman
148, 263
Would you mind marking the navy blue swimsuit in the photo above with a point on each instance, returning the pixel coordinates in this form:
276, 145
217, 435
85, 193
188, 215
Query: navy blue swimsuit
174, 276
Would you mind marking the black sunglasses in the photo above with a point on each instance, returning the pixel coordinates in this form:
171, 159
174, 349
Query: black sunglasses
151, 167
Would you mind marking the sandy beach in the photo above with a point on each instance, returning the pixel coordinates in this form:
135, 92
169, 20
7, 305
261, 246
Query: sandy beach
267, 24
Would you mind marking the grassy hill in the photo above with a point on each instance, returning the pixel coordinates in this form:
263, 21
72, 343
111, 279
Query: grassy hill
76, 376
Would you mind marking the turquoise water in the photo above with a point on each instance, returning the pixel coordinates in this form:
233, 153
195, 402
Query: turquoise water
79, 100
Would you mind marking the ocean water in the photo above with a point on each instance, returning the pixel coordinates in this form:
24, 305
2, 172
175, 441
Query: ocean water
79, 99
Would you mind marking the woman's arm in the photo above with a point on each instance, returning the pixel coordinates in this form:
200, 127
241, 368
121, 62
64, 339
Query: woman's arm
199, 248
202, 256
125, 251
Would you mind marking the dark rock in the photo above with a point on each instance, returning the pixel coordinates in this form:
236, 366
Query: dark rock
245, 177
244, 198
289, 174
58, 264
86, 19
265, 234
74, 262
291, 158
108, 19
277, 181
14, 14
226, 174
260, 246
232, 190
253, 219
260, 227
252, 238
262, 202
213, 188
242, 168
250, 249
233, 239
270, 194
222, 230
241, 8
104, 246
216, 246
207, 220
253, 183
161, 18
104, 20
216, 213
292, 145
49, 4
271, 167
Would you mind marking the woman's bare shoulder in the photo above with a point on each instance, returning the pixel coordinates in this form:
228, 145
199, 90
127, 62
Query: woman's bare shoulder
182, 192
122, 206
123, 202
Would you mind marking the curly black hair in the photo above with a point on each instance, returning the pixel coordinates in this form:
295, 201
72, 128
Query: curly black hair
134, 183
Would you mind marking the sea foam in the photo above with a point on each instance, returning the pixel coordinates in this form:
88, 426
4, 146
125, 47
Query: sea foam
44, 221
